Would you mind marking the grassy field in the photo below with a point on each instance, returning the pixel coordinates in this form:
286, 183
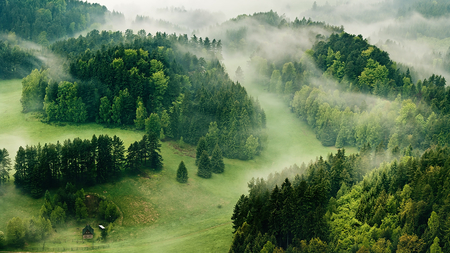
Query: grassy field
159, 214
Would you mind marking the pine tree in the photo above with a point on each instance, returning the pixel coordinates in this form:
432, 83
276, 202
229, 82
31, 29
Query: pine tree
217, 165
201, 146
204, 166
141, 115
154, 152
182, 174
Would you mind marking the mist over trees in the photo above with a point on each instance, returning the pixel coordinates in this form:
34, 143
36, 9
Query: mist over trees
392, 196
139, 75
48, 20
333, 103
394, 208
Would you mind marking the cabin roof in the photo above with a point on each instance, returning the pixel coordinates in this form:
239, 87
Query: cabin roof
88, 230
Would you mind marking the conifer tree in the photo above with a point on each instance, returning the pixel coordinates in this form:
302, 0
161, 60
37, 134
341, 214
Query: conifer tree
204, 166
201, 146
154, 152
182, 174
217, 165
141, 115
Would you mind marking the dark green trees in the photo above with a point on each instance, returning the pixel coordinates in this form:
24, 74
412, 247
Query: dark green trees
154, 152
201, 146
81, 162
217, 165
182, 173
204, 165
146, 152
5, 165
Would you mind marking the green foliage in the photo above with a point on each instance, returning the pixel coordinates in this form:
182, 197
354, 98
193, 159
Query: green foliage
58, 216
268, 247
104, 115
217, 164
16, 62
2, 240
153, 124
34, 90
204, 165
80, 210
15, 232
67, 106
82, 162
141, 115
49, 20
201, 146
182, 173
111, 212
435, 248
5, 166
250, 147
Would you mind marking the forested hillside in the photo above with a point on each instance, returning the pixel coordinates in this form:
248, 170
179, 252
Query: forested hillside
156, 83
16, 62
399, 207
399, 111
48, 20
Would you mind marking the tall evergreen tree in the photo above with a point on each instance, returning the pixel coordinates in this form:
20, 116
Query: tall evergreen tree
217, 165
5, 165
204, 165
154, 149
182, 173
201, 146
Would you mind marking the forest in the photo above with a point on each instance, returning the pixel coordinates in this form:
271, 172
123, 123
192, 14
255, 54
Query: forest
192, 130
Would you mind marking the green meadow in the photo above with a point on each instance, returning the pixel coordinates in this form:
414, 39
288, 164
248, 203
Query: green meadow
159, 214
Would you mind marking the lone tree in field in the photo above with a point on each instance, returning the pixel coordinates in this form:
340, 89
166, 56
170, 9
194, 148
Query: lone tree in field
201, 146
204, 166
217, 165
182, 174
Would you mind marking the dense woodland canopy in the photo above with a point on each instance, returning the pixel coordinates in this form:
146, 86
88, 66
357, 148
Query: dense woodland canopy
45, 21
399, 112
16, 62
151, 82
400, 207
391, 197
81, 162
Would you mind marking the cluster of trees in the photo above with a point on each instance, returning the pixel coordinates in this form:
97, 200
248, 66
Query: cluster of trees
145, 153
16, 62
207, 166
81, 162
416, 117
48, 20
294, 213
238, 31
401, 206
428, 9
148, 82
20, 231
66, 203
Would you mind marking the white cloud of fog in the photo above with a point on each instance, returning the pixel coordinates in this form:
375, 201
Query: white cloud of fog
229, 9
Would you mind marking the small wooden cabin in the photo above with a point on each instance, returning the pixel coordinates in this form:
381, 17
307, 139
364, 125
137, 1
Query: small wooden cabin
88, 232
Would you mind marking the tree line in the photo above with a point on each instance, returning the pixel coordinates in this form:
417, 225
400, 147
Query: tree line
48, 20
399, 207
147, 82
334, 104
16, 62
82, 162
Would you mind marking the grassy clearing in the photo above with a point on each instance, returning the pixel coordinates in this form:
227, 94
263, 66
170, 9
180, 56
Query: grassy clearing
159, 214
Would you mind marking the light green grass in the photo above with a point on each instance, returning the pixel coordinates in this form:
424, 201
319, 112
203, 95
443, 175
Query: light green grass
160, 214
